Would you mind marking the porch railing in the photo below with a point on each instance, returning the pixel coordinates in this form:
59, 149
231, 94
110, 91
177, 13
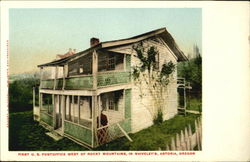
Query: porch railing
111, 78
86, 82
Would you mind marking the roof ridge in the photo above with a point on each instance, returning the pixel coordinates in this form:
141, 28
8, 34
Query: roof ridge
173, 46
152, 31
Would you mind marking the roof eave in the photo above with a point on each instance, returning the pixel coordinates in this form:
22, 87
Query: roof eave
62, 61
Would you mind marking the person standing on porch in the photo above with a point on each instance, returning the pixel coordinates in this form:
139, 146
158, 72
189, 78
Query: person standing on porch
102, 133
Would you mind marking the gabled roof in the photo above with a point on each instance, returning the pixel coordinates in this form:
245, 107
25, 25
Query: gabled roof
162, 32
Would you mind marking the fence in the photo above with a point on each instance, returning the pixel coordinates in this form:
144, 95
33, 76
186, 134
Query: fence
108, 133
185, 140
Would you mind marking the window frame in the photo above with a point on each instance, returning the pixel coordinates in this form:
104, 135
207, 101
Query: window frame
111, 62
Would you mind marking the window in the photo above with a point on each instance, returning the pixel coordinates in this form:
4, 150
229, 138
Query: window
118, 95
111, 104
73, 67
83, 65
112, 100
80, 69
157, 61
111, 62
102, 62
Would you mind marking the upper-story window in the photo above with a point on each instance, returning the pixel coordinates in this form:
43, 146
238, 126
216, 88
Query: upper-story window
106, 62
110, 61
157, 62
83, 65
73, 67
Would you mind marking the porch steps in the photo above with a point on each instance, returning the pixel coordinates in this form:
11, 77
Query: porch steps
193, 111
55, 136
182, 110
58, 132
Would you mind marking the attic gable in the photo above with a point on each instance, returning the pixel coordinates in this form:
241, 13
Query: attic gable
161, 33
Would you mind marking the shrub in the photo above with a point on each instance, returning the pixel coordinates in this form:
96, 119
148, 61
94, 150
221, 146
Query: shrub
159, 118
21, 94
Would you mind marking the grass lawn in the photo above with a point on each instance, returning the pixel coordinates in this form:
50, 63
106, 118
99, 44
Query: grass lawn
194, 103
25, 134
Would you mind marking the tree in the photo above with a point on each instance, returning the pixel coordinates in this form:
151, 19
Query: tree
156, 79
192, 71
21, 94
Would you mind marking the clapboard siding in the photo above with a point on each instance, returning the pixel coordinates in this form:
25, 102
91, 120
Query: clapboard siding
141, 117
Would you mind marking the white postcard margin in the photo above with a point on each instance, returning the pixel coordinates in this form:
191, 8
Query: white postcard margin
226, 80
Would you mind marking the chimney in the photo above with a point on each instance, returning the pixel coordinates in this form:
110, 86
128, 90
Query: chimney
94, 41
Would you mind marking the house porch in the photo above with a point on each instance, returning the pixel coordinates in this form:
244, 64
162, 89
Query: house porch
76, 116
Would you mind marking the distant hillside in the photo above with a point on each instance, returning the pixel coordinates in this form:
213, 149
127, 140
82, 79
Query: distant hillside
14, 77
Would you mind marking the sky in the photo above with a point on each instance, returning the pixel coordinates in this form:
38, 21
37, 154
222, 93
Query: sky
38, 35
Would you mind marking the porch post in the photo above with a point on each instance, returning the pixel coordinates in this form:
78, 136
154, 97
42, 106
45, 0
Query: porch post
124, 62
67, 107
55, 77
70, 107
59, 109
41, 78
94, 121
63, 106
40, 105
73, 107
94, 97
41, 101
64, 75
124, 103
99, 110
39, 94
54, 111
78, 107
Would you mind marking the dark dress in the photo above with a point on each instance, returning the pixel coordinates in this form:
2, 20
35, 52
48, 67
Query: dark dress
102, 133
